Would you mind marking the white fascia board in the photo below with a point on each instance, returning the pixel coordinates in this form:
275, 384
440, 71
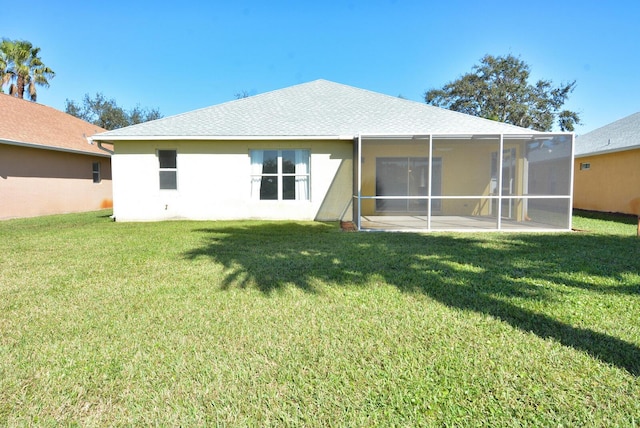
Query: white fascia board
109, 139
56, 149
479, 135
349, 137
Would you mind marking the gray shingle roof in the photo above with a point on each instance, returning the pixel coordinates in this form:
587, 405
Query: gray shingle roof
317, 108
623, 134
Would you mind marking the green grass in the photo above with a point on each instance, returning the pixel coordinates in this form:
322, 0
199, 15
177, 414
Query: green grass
299, 324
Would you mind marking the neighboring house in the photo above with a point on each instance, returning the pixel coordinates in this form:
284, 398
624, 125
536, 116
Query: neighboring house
47, 165
326, 151
607, 168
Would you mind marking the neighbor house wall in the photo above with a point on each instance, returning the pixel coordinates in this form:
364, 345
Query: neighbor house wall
36, 182
214, 182
611, 184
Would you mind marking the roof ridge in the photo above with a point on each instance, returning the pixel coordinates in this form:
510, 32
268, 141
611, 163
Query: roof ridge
318, 107
224, 103
418, 103
50, 108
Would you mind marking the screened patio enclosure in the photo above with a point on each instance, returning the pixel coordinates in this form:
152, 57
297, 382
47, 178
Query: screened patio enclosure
464, 182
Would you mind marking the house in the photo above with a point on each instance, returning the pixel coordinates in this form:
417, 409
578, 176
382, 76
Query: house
607, 168
47, 165
327, 151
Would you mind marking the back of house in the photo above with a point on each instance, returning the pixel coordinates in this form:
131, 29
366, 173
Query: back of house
326, 151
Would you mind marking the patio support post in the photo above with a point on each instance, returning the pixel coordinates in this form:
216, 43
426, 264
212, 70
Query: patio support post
570, 213
500, 160
359, 151
430, 168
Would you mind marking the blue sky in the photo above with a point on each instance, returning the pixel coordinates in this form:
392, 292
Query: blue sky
179, 56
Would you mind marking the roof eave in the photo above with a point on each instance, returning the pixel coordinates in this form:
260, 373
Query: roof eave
115, 138
344, 137
605, 152
57, 149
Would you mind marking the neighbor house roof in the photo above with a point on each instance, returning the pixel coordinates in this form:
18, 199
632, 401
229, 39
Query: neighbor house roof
623, 134
315, 109
26, 123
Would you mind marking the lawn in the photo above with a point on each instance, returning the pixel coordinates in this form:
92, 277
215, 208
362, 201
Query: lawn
299, 324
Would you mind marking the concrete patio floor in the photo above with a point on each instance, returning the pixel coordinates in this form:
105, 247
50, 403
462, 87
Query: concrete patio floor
419, 223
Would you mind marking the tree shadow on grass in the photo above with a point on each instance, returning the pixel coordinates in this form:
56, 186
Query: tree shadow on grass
487, 274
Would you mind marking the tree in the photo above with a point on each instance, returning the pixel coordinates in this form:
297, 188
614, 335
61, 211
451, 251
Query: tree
22, 68
499, 89
242, 94
107, 114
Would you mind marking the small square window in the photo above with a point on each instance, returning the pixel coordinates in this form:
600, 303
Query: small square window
585, 165
167, 158
96, 172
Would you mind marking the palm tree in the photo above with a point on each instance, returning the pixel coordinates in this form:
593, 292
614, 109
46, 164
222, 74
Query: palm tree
22, 68
5, 76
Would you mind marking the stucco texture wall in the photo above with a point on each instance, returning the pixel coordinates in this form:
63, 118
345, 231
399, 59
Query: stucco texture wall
214, 182
36, 182
611, 184
465, 171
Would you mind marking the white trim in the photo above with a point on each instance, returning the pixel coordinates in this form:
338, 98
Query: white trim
430, 167
499, 173
471, 197
313, 137
572, 177
108, 138
359, 154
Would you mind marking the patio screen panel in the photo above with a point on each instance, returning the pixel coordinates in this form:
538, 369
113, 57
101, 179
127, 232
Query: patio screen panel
466, 182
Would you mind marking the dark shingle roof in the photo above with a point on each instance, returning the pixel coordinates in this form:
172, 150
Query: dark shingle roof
317, 108
623, 134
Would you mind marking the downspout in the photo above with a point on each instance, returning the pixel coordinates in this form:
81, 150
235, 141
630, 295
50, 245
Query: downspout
100, 146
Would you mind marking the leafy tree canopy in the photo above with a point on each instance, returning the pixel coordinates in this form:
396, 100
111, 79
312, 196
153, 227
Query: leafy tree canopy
498, 89
107, 114
21, 68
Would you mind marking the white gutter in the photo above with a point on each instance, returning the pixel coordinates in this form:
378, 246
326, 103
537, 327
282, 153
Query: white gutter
350, 137
104, 149
108, 138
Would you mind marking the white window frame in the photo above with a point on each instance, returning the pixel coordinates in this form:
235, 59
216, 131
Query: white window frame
302, 179
162, 169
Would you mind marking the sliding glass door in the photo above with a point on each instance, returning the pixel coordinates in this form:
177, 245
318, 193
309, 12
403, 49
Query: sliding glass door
406, 176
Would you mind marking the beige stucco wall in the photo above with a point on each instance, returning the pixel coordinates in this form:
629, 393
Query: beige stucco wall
214, 182
36, 182
612, 184
466, 170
